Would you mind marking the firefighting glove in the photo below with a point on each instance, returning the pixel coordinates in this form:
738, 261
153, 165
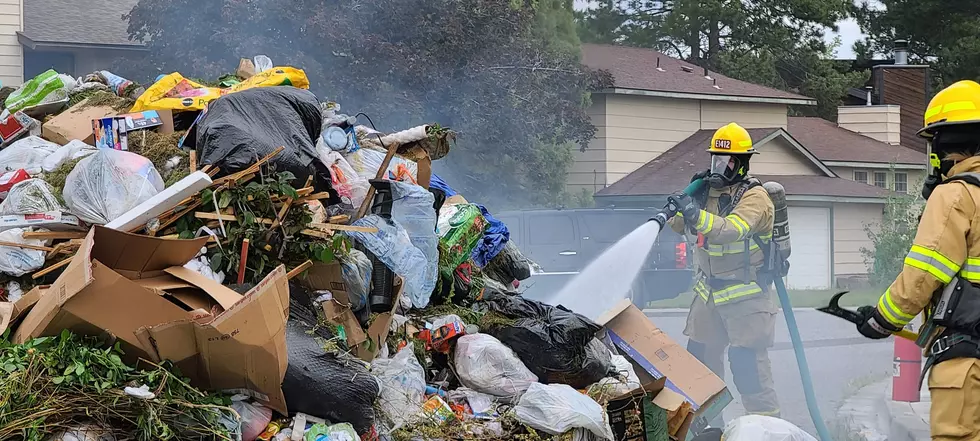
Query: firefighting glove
686, 206
873, 325
700, 175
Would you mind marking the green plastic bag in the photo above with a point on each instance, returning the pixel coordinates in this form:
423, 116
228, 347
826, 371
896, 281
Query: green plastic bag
460, 229
46, 88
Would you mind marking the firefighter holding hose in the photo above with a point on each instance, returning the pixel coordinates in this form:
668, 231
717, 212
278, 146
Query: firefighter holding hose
941, 273
733, 306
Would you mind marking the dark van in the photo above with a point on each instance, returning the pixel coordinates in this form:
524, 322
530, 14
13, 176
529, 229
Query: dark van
563, 242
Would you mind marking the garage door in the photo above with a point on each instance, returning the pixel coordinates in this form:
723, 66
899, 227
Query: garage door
809, 229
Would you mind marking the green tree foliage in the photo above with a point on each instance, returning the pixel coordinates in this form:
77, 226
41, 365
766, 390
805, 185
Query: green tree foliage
891, 238
505, 75
776, 43
944, 34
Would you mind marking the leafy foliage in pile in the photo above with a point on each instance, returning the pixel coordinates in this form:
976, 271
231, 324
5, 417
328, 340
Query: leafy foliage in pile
57, 383
504, 74
268, 247
776, 43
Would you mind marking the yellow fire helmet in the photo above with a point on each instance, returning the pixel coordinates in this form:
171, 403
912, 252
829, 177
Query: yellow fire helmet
954, 105
732, 140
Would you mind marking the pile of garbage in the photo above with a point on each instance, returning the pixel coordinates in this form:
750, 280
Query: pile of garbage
245, 262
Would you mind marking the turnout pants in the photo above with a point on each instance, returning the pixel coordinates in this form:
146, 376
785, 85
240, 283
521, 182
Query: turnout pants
955, 389
748, 326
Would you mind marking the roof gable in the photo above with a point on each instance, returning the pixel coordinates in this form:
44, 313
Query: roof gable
637, 69
830, 143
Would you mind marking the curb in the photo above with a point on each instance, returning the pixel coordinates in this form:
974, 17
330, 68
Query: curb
904, 423
865, 413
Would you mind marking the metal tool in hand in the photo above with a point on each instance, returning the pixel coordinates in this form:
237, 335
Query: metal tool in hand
836, 310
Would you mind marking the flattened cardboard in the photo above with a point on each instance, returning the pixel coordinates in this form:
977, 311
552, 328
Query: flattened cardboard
27, 301
6, 316
655, 355
52, 220
75, 123
214, 290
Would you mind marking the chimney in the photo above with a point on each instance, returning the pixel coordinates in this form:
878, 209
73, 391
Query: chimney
881, 122
905, 85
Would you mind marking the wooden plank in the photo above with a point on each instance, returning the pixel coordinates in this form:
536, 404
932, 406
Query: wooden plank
54, 235
299, 269
193, 160
25, 246
339, 219
243, 258
317, 234
51, 268
381, 174
314, 197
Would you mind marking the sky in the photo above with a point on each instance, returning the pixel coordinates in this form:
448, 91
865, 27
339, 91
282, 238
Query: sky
848, 31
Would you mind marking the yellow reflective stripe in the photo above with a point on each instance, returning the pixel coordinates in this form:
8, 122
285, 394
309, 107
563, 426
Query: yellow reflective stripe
971, 271
891, 312
950, 107
706, 221
735, 292
932, 262
745, 143
701, 289
702, 218
740, 225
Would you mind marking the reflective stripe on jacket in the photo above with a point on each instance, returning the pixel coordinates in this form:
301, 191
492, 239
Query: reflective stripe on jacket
723, 258
946, 243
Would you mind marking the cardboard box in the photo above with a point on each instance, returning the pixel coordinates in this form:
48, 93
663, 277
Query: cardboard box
162, 121
110, 133
630, 416
75, 123
52, 220
365, 343
655, 356
136, 289
15, 126
21, 307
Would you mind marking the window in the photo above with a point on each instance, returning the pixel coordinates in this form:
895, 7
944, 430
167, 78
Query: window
861, 176
901, 182
881, 179
553, 229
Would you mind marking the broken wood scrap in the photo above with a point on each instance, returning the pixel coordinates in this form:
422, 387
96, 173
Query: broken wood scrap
25, 246
299, 269
339, 227
54, 235
51, 268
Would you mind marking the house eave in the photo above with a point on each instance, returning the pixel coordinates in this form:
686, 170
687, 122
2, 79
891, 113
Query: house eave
709, 97
875, 165
611, 200
32, 44
801, 148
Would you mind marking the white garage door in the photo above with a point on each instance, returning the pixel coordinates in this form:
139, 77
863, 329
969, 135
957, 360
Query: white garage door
809, 230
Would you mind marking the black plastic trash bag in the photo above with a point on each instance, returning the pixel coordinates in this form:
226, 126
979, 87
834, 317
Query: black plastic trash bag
241, 128
332, 386
557, 345
509, 265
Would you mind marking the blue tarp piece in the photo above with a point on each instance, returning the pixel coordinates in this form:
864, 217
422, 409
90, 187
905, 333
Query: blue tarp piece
496, 235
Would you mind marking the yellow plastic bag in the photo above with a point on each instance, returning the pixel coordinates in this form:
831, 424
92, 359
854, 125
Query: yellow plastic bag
174, 92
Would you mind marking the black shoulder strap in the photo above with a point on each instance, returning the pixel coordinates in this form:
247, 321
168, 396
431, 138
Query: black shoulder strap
743, 187
970, 178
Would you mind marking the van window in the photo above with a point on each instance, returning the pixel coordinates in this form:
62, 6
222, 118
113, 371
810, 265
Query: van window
611, 226
551, 229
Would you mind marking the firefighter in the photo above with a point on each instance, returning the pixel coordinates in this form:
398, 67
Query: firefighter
732, 219
943, 267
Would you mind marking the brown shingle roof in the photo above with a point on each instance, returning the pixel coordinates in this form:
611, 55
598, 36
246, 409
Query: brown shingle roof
95, 22
672, 171
636, 68
828, 142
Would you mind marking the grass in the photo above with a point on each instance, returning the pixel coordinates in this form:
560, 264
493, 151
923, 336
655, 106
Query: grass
799, 298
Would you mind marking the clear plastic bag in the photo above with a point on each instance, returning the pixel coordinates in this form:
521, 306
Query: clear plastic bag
356, 271
486, 365
626, 382
763, 428
30, 197
392, 245
17, 261
28, 154
402, 386
255, 418
557, 408
348, 183
413, 209
73, 150
109, 183
366, 163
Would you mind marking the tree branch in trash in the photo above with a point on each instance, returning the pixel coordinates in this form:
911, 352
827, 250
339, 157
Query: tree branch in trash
406, 62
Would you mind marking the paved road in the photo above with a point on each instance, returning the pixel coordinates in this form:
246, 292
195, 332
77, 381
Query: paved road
838, 356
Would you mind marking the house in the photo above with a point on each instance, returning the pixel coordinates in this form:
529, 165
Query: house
75, 38
655, 125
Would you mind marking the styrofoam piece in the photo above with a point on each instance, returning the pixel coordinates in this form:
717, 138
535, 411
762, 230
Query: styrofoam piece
163, 201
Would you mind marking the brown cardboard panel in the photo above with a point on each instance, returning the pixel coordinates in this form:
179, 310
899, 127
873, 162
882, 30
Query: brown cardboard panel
24, 304
75, 123
136, 256
6, 315
216, 291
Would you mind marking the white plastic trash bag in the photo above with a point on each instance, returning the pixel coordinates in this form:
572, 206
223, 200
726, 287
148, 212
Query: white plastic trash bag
350, 186
366, 163
558, 408
402, 381
30, 197
763, 428
486, 365
28, 154
625, 382
109, 183
17, 261
73, 150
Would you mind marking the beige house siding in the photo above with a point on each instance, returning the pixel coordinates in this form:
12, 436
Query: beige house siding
778, 157
850, 236
915, 178
11, 53
883, 123
715, 114
633, 130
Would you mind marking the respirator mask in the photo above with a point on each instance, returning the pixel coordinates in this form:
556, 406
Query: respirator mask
727, 170
950, 140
